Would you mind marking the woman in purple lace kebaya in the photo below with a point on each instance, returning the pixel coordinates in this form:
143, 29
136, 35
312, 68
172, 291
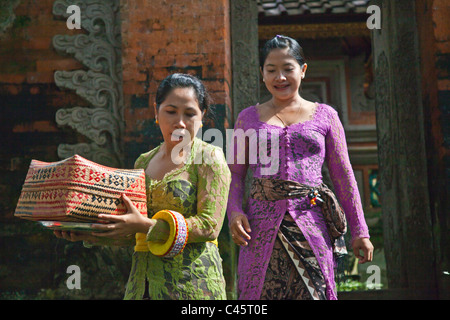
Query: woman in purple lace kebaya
286, 251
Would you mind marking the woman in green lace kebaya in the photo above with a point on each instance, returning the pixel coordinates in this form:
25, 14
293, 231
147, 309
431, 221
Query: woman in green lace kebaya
186, 175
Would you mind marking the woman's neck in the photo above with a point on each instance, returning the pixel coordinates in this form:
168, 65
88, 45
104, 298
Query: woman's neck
291, 102
167, 149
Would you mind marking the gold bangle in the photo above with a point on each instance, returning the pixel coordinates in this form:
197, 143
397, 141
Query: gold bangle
178, 235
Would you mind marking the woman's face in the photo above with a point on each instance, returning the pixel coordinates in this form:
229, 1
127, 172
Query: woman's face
179, 116
282, 74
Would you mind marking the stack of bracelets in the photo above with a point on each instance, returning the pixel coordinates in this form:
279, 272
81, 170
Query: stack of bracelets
178, 235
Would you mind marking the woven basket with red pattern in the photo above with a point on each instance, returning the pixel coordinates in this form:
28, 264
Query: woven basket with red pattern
76, 189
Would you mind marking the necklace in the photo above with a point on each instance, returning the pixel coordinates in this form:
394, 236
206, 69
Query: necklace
276, 114
297, 113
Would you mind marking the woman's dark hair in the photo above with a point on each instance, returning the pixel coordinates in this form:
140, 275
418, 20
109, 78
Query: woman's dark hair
181, 80
282, 42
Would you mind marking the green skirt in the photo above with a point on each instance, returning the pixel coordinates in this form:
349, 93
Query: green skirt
195, 274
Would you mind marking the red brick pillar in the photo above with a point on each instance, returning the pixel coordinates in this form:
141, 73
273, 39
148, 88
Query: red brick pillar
162, 37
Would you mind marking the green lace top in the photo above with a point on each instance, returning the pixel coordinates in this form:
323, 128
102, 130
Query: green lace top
199, 191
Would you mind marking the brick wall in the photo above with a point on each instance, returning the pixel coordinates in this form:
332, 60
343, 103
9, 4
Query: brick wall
29, 100
159, 37
28, 95
162, 37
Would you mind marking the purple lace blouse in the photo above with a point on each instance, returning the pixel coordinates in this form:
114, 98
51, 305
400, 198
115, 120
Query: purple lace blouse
296, 152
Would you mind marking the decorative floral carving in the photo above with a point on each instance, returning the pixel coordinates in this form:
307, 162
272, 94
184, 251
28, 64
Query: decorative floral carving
94, 123
89, 150
384, 118
96, 54
95, 87
100, 51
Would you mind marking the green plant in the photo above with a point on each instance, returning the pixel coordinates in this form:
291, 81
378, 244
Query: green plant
355, 285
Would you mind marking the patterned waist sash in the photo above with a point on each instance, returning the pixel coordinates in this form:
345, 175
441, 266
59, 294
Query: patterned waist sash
274, 189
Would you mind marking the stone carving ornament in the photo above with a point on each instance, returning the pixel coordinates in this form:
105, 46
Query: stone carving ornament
99, 50
96, 123
384, 117
101, 84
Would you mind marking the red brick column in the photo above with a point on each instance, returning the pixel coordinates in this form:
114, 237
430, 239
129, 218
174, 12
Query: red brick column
159, 37
29, 100
162, 37
29, 97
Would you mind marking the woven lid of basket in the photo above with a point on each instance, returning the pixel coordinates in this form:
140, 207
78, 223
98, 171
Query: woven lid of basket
76, 189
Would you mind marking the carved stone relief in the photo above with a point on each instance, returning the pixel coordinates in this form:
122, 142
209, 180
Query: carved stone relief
101, 85
384, 119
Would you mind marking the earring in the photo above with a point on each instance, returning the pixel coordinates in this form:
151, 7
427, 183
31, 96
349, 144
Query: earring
201, 125
156, 121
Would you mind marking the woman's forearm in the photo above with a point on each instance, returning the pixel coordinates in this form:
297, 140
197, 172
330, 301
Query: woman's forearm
158, 231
